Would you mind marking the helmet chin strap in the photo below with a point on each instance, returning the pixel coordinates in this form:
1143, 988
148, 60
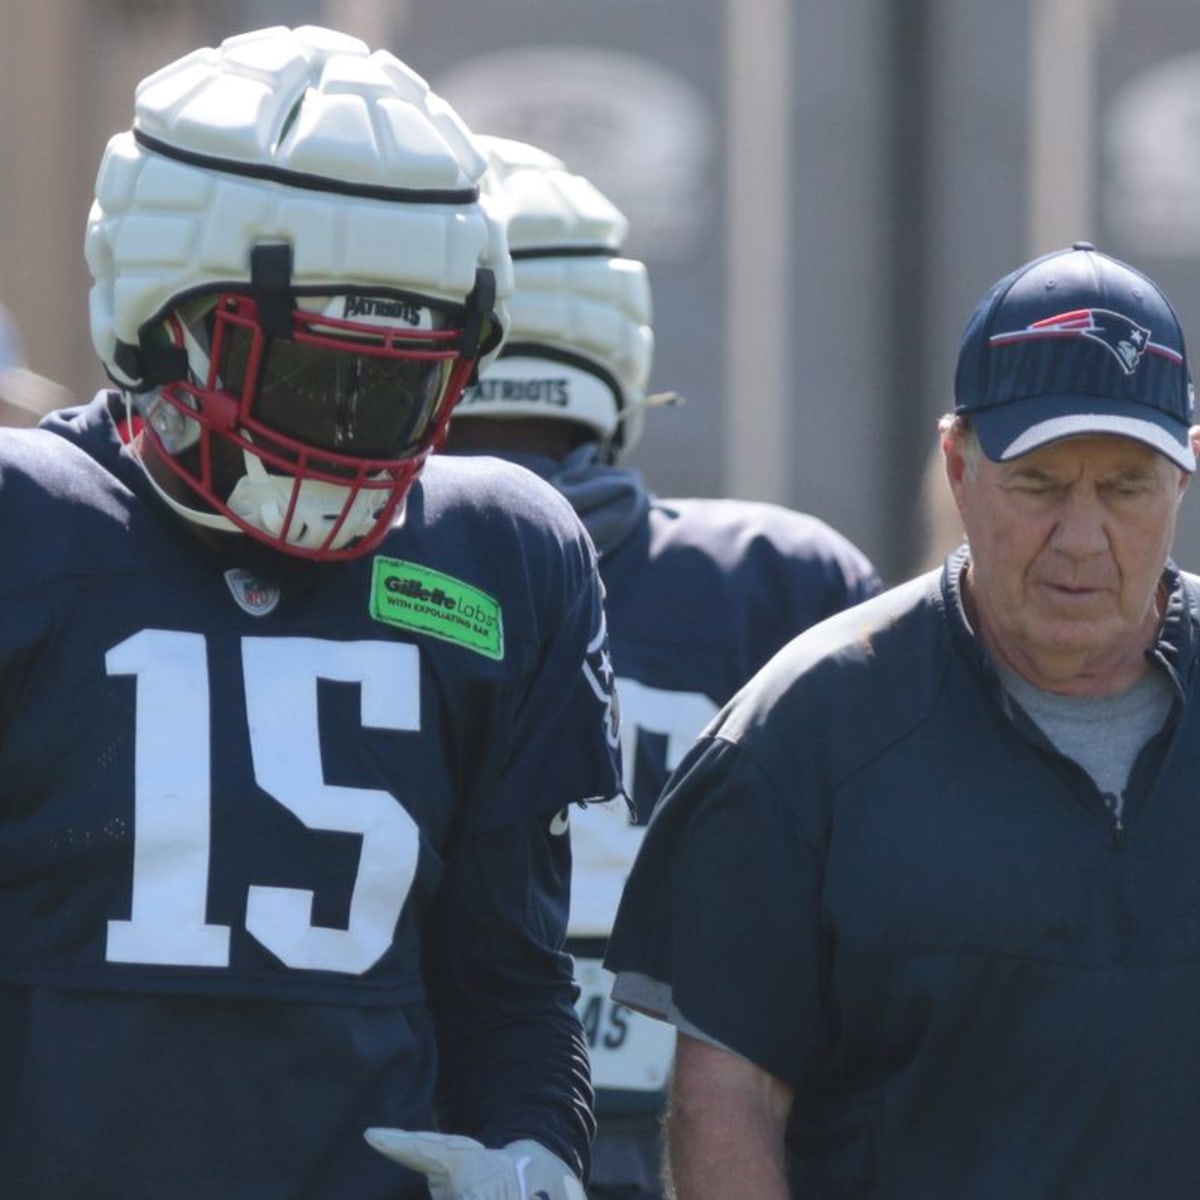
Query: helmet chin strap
655, 400
610, 449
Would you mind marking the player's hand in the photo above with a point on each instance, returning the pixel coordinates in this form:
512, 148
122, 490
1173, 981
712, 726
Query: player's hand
460, 1168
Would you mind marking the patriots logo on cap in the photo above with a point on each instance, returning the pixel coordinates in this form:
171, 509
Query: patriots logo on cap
1123, 338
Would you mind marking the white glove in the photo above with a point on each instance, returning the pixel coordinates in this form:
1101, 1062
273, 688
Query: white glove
460, 1168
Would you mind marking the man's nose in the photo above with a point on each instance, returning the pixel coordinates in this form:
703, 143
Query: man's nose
1080, 529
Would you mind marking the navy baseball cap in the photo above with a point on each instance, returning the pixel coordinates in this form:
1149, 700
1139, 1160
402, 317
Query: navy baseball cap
1074, 343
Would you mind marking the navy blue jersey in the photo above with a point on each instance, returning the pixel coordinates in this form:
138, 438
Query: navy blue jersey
699, 595
280, 855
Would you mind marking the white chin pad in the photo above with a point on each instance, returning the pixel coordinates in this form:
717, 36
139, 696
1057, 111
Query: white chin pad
262, 500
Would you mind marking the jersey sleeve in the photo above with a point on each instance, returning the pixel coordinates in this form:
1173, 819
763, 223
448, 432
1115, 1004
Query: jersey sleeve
512, 1058
824, 572
563, 745
718, 926
513, 1062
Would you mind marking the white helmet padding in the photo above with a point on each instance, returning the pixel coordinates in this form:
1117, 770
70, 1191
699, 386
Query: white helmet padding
260, 178
536, 385
297, 136
578, 302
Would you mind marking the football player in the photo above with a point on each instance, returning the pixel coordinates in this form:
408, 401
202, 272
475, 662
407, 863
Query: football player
291, 714
699, 592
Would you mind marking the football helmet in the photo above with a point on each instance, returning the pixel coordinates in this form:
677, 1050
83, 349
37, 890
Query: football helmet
580, 343
294, 277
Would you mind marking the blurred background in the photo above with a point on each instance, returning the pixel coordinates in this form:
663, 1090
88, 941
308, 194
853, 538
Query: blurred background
822, 190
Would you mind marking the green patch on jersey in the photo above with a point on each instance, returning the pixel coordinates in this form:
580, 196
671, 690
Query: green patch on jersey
414, 597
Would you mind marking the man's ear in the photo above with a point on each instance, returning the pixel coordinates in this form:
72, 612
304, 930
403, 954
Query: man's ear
956, 466
1185, 477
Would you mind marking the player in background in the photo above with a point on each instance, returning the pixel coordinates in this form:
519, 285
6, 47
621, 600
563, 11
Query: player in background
699, 592
290, 717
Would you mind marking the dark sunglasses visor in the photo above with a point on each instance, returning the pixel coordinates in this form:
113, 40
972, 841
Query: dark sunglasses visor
365, 405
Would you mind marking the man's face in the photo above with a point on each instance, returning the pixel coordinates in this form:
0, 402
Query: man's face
1068, 544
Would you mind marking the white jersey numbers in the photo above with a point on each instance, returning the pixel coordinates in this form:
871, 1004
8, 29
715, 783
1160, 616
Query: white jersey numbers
172, 813
604, 842
678, 716
170, 807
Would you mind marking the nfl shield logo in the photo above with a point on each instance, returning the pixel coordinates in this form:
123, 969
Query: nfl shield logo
252, 595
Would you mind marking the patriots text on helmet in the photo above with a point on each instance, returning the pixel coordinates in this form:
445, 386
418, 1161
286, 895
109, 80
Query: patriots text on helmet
377, 306
555, 392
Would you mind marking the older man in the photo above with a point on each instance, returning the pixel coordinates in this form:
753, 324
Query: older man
923, 901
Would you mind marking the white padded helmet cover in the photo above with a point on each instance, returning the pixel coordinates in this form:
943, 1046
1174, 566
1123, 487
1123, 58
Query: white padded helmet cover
301, 136
596, 307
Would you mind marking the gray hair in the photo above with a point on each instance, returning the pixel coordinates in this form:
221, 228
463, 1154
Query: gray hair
958, 428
